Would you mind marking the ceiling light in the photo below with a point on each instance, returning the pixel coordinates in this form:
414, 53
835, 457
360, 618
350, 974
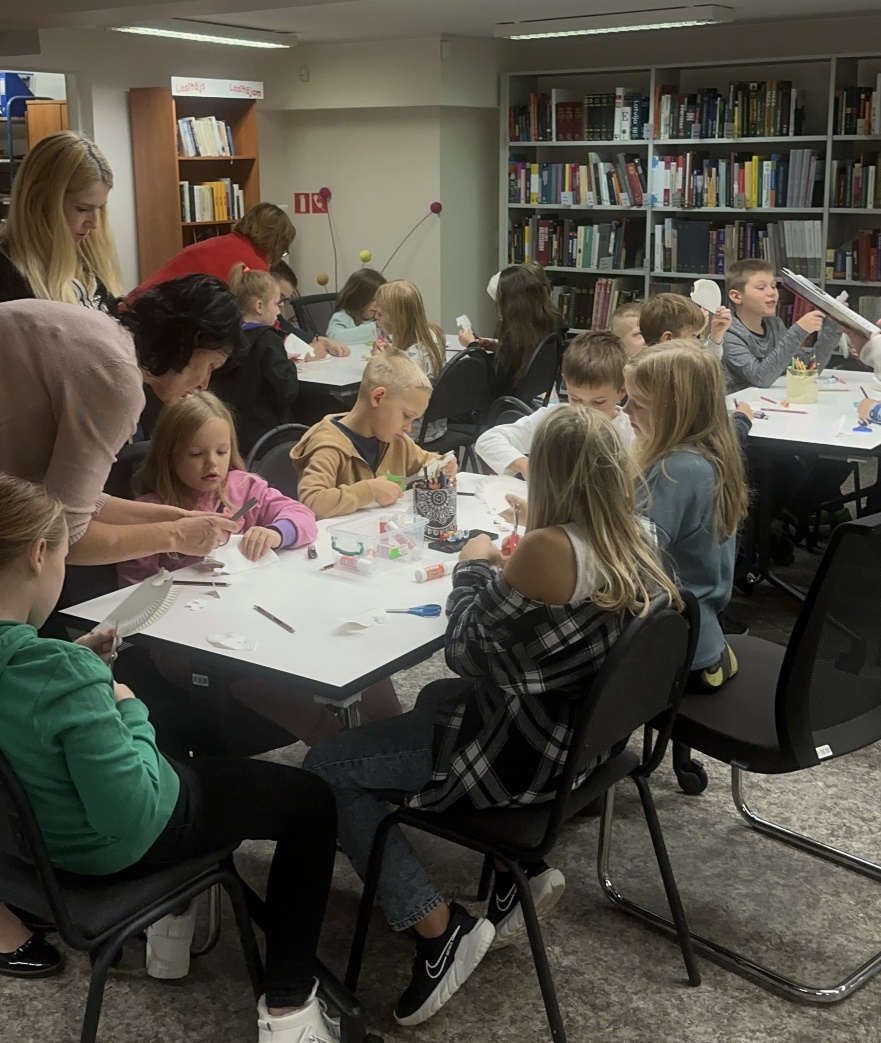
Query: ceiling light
624, 22
211, 32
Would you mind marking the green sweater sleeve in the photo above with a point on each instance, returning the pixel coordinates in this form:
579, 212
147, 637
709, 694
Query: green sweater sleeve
123, 781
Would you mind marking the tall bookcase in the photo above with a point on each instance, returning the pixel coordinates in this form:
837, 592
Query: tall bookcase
159, 168
19, 134
824, 227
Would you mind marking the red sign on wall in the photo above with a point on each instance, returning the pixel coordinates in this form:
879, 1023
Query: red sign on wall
303, 202
319, 203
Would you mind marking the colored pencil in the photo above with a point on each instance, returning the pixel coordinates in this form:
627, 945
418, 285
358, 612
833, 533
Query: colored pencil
275, 619
803, 412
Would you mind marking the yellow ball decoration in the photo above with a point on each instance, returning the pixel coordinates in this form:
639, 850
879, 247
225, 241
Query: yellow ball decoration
365, 256
322, 279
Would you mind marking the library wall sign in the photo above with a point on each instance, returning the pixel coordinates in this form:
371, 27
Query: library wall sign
199, 87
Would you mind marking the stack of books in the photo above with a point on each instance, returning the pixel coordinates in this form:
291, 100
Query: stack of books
858, 259
531, 122
684, 245
204, 136
219, 200
743, 180
565, 115
856, 183
617, 182
771, 108
857, 110
590, 307
565, 243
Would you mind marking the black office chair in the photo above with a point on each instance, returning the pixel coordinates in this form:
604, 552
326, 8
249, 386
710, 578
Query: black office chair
277, 468
284, 433
97, 915
792, 708
314, 312
641, 678
460, 393
542, 371
506, 410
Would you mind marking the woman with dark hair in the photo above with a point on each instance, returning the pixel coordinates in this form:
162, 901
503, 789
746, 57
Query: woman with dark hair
258, 240
72, 392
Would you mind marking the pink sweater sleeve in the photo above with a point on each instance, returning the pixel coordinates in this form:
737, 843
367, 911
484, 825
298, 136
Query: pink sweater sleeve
137, 569
273, 507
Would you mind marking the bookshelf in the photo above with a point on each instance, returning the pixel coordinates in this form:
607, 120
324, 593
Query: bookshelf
780, 159
160, 168
19, 134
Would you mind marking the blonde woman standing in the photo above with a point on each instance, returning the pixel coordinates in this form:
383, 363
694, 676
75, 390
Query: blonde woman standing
56, 244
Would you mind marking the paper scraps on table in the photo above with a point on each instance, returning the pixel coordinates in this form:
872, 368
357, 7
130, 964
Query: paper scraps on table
196, 604
494, 489
367, 619
839, 427
233, 642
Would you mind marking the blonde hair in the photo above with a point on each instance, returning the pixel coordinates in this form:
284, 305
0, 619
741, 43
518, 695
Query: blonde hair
27, 514
175, 430
36, 237
740, 273
394, 372
670, 313
409, 323
684, 389
270, 230
630, 310
249, 286
594, 360
581, 473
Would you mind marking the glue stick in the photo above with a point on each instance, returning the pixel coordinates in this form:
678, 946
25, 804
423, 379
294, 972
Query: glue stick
445, 568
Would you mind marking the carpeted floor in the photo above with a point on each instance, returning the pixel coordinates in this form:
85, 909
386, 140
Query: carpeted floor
617, 980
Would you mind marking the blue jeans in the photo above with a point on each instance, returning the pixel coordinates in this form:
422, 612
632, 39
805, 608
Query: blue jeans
395, 754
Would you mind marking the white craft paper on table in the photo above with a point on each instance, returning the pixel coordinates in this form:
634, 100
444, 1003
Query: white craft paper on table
707, 294
232, 559
494, 489
367, 619
234, 642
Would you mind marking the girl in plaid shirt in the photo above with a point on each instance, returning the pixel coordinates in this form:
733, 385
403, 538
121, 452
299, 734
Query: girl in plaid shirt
526, 637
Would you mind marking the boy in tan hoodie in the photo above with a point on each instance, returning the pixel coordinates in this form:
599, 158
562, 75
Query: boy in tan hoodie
344, 459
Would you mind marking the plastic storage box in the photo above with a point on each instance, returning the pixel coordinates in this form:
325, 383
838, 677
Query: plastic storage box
381, 541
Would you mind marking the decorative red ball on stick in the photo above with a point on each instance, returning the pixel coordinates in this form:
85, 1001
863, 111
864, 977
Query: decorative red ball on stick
435, 208
325, 193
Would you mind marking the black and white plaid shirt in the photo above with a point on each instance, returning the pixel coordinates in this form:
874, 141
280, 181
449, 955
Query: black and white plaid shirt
506, 741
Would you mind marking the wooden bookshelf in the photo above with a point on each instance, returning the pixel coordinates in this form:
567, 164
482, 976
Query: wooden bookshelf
818, 78
159, 169
42, 117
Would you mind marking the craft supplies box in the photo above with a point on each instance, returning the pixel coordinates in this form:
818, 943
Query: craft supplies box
369, 545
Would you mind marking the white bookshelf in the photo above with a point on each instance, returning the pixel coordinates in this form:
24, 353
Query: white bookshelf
815, 76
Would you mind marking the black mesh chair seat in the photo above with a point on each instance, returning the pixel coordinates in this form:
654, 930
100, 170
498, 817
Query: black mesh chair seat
456, 435
738, 723
277, 468
97, 905
460, 392
314, 311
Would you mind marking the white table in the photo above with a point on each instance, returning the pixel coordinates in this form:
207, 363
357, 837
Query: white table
339, 374
326, 658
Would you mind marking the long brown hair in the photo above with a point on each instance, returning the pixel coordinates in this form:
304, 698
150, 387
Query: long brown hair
359, 291
173, 435
270, 230
580, 473
410, 325
683, 386
36, 237
526, 317
27, 514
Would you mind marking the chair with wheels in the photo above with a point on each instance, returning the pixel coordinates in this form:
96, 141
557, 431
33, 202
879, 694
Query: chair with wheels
641, 679
792, 708
542, 371
460, 392
314, 312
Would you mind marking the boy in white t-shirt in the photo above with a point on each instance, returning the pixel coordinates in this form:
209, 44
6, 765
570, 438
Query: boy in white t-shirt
593, 368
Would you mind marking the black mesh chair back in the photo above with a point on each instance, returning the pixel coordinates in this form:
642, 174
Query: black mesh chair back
287, 434
506, 410
829, 689
459, 390
542, 371
314, 312
277, 468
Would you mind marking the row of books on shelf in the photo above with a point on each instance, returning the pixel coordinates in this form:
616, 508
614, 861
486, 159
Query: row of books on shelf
211, 201
857, 110
591, 307
565, 244
767, 108
565, 115
204, 136
856, 183
706, 247
742, 180
858, 259
616, 182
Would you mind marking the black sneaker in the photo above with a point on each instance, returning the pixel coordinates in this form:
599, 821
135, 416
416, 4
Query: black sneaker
504, 911
443, 965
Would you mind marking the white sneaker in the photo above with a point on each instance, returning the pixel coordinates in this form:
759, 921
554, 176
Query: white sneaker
310, 1024
168, 944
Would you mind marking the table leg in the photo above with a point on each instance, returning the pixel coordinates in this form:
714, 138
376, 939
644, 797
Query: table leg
761, 469
349, 710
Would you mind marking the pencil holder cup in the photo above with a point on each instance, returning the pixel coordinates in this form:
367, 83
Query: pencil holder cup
802, 388
437, 507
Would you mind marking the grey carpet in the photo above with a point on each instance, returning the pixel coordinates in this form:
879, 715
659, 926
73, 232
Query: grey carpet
617, 979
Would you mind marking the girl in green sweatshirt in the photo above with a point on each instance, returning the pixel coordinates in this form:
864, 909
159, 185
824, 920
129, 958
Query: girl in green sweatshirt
107, 800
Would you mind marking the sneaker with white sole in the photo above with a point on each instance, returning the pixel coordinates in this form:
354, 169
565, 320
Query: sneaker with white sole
168, 945
505, 912
309, 1024
443, 965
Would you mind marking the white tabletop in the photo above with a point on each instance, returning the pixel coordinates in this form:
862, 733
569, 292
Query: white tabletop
327, 657
816, 425
347, 372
